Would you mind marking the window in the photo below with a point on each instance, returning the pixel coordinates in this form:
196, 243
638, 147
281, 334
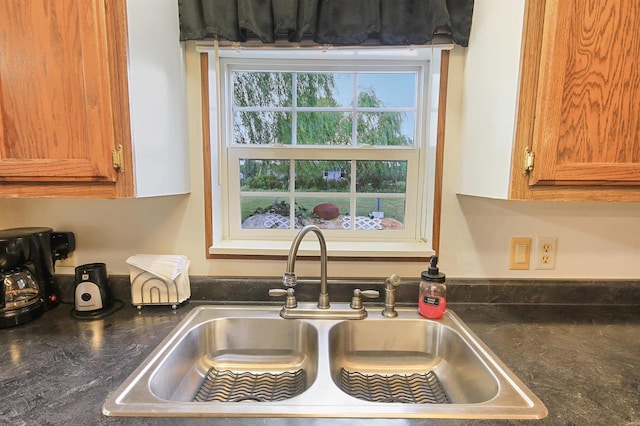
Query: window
343, 139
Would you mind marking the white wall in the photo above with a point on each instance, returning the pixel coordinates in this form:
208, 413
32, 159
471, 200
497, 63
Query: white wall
596, 240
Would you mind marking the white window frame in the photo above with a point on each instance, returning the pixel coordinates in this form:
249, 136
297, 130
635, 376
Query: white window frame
413, 241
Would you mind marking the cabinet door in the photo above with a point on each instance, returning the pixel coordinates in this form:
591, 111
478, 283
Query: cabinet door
55, 105
587, 118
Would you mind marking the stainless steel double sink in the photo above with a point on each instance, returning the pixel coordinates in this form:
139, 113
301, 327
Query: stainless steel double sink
231, 361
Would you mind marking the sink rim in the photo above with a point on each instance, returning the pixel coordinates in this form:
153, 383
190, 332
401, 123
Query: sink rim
322, 398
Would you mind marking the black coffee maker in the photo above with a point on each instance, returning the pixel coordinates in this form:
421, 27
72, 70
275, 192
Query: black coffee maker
27, 259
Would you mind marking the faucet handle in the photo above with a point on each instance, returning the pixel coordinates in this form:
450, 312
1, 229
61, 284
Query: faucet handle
356, 300
290, 301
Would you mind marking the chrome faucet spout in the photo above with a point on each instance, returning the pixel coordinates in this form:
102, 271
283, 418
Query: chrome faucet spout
289, 278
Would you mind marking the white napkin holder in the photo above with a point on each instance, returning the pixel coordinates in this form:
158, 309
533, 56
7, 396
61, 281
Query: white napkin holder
159, 279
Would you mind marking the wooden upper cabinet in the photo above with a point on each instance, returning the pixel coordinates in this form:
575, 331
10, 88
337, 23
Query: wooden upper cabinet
587, 117
560, 79
69, 126
55, 92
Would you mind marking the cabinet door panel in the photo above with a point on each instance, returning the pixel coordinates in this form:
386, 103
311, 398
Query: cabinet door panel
587, 127
55, 102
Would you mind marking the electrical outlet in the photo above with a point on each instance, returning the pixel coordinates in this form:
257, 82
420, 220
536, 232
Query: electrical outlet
545, 252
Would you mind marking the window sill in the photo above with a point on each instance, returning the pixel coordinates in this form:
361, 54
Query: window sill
417, 250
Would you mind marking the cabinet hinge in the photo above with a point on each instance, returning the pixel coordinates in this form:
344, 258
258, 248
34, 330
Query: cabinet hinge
117, 158
529, 158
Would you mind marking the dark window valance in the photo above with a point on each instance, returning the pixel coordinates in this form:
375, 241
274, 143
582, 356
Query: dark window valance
337, 22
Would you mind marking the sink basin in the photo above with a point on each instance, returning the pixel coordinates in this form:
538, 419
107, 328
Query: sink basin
274, 360
372, 360
234, 361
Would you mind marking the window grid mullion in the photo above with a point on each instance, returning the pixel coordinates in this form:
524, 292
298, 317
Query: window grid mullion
354, 117
322, 109
352, 201
294, 142
292, 193
354, 142
294, 109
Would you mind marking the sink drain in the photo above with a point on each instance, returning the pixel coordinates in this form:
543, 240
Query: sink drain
417, 388
230, 386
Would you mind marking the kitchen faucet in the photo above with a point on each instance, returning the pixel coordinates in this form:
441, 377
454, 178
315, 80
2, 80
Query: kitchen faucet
289, 279
356, 309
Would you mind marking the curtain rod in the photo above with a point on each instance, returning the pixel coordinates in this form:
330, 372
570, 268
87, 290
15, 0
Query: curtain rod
441, 42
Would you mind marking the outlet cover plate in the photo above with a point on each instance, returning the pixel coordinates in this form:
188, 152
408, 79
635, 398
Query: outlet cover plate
545, 253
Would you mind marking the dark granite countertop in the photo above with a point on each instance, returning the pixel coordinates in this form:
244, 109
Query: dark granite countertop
582, 361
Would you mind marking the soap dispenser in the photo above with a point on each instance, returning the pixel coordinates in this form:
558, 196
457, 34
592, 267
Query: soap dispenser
432, 299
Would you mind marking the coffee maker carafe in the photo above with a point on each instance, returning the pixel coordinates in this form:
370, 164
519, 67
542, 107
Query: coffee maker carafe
27, 257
